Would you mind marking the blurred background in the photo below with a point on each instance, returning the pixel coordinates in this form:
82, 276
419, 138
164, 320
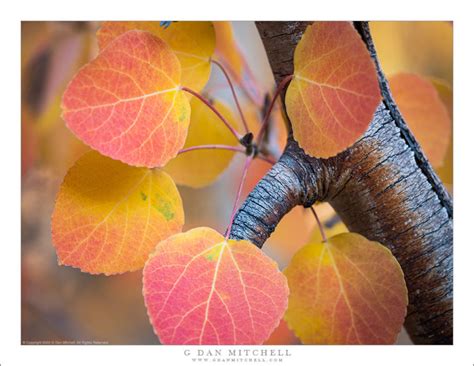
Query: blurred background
63, 304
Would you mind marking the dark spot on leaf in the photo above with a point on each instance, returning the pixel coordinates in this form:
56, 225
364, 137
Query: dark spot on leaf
144, 196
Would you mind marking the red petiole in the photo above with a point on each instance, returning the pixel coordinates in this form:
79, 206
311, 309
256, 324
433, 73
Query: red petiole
212, 147
320, 225
239, 149
237, 135
266, 119
234, 94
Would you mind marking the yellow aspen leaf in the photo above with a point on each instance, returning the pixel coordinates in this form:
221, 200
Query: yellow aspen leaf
348, 290
200, 288
108, 216
200, 168
425, 114
334, 92
424, 48
192, 42
445, 170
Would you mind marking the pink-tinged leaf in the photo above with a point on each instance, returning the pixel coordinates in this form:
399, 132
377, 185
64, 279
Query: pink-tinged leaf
127, 102
108, 216
334, 92
201, 289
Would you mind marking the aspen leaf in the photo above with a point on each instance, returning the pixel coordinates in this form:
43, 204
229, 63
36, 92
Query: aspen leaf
192, 42
425, 114
334, 91
109, 216
282, 335
424, 48
201, 289
347, 291
127, 102
445, 170
202, 167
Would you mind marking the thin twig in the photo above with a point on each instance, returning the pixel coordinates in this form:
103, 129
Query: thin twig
266, 120
321, 228
239, 149
237, 135
234, 94
212, 147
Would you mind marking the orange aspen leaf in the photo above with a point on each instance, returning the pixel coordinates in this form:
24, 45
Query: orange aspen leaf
127, 102
396, 43
192, 42
201, 289
334, 91
445, 171
425, 114
348, 290
109, 216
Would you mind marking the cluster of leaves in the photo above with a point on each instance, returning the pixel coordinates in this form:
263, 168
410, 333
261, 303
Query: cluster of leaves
138, 105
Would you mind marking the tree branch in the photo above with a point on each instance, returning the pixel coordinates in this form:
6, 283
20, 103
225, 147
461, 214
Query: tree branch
382, 187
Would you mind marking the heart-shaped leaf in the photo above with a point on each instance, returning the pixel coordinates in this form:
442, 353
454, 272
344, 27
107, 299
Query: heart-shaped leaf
424, 112
127, 102
347, 291
109, 216
201, 289
334, 91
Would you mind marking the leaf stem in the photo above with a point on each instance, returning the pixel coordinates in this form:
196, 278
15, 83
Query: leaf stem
320, 225
237, 135
266, 119
234, 94
211, 147
239, 192
239, 149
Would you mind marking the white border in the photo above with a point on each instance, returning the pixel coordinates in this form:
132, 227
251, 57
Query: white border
11, 353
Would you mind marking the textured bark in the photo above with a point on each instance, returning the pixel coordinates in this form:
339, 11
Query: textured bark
382, 187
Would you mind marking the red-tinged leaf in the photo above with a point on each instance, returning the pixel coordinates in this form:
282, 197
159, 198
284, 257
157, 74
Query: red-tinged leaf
201, 289
334, 92
192, 42
424, 112
347, 291
127, 103
282, 335
109, 216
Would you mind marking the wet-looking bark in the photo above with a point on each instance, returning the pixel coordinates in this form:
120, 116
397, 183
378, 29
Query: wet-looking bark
382, 187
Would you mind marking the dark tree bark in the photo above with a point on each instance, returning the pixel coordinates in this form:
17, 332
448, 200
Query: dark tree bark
383, 187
